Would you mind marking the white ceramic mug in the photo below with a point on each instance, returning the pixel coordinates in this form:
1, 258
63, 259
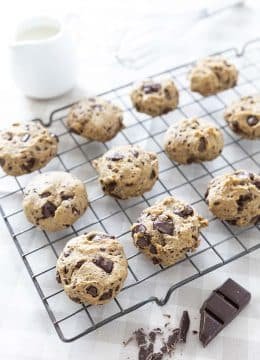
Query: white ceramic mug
43, 58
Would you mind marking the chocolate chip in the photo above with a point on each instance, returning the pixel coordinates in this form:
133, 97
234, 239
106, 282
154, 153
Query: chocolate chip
191, 159
235, 127
79, 264
115, 156
157, 356
66, 197
8, 136
164, 226
243, 199
25, 137
153, 174
58, 279
155, 260
252, 120
152, 336
145, 353
243, 174
2, 162
105, 264
48, 210
75, 211
92, 290
202, 144
151, 88
45, 194
184, 213
256, 182
55, 137
106, 295
167, 94
110, 186
232, 221
153, 249
75, 131
139, 228
143, 241
173, 339
140, 336
28, 165
97, 107
67, 253
75, 299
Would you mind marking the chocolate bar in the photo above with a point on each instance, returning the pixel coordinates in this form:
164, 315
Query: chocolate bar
223, 305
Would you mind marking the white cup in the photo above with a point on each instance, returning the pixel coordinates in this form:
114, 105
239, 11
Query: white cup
43, 58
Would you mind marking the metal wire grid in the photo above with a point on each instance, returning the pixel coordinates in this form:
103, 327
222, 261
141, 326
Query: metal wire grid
221, 243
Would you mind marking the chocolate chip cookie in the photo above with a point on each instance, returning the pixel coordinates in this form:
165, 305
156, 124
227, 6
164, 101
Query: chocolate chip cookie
26, 147
167, 230
127, 171
193, 140
235, 197
54, 200
95, 119
155, 98
92, 268
212, 75
243, 117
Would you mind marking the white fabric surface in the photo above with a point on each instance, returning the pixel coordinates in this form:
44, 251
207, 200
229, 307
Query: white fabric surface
26, 332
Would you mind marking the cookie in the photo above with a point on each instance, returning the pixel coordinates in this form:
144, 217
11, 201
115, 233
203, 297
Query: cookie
235, 197
26, 147
243, 117
92, 268
95, 119
127, 171
166, 231
212, 75
54, 200
155, 98
193, 140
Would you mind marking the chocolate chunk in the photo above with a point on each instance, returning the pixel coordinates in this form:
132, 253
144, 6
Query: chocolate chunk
110, 186
243, 200
106, 295
75, 131
155, 260
164, 226
25, 137
157, 356
153, 249
105, 264
145, 353
152, 336
8, 136
2, 162
167, 94
48, 210
243, 174
184, 326
173, 339
97, 107
28, 165
58, 279
75, 211
223, 305
140, 336
67, 253
75, 299
151, 88
252, 120
79, 264
66, 196
55, 137
45, 194
235, 127
191, 159
139, 228
202, 144
256, 182
255, 220
92, 290
153, 174
135, 153
115, 156
184, 213
143, 241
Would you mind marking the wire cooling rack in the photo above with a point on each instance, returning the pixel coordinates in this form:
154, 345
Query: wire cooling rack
220, 242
